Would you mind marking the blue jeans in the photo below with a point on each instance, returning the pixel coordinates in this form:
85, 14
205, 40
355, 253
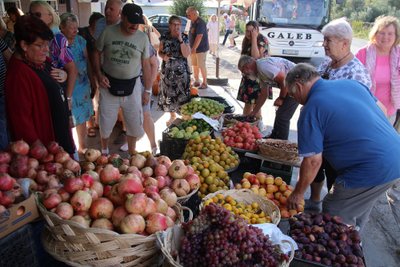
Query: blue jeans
3, 124
226, 36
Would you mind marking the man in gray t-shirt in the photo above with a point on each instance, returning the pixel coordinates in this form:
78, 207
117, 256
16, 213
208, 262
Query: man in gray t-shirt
125, 52
271, 71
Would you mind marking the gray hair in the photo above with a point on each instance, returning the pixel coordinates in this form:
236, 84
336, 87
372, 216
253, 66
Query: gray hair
68, 17
302, 73
56, 19
338, 28
244, 60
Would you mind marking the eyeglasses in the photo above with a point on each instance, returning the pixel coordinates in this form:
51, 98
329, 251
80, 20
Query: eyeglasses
41, 46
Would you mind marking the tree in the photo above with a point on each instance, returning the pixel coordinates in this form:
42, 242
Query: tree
179, 7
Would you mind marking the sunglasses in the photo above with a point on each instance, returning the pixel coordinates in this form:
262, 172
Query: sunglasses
325, 75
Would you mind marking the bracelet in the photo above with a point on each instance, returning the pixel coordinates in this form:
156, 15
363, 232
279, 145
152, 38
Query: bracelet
69, 98
148, 91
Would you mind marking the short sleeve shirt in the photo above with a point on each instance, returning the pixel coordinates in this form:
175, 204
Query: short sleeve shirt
123, 54
268, 68
351, 130
354, 70
196, 28
59, 52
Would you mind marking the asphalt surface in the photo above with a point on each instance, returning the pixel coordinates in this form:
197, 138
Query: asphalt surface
381, 238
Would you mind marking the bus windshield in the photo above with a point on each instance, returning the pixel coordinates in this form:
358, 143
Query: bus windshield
307, 13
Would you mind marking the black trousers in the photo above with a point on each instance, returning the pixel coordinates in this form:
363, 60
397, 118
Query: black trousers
282, 119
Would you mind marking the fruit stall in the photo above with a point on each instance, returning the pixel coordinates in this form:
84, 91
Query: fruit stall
213, 197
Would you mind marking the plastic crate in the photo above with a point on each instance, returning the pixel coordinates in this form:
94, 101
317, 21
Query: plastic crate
173, 148
277, 169
18, 248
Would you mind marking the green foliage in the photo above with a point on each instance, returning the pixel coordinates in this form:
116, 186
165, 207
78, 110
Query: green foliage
179, 7
361, 29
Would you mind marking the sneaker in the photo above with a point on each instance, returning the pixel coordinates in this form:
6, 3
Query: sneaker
312, 206
124, 147
154, 151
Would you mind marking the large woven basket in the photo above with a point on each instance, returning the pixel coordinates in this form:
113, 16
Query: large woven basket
70, 242
169, 243
247, 196
278, 149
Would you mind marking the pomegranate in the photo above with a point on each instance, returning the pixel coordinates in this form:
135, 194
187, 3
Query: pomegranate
151, 162
151, 189
48, 158
138, 161
134, 170
147, 172
53, 147
136, 203
5, 157
115, 160
103, 223
53, 182
81, 220
193, 180
130, 186
42, 177
50, 167
132, 224
84, 214
16, 190
4, 168
109, 174
102, 160
161, 182
62, 157
101, 208
71, 185
171, 214
49, 192
190, 169
106, 190
164, 160
160, 170
7, 198
72, 165
161, 206
178, 169
156, 222
169, 196
38, 150
118, 214
114, 196
2, 209
153, 195
94, 175
81, 201
65, 196
87, 180
19, 166
6, 182
67, 174
150, 181
98, 187
181, 187
92, 193
168, 181
123, 168
150, 208
20, 147
64, 210
88, 166
33, 163
52, 201
170, 222
91, 154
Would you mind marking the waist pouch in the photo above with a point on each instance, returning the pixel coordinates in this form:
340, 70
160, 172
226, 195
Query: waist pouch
121, 87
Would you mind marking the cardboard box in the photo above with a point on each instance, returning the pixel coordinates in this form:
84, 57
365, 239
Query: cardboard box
18, 215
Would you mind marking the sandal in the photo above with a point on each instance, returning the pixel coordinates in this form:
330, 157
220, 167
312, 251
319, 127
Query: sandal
91, 132
203, 86
196, 84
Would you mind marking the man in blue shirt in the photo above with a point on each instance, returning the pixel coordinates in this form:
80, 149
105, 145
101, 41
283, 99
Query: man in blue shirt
354, 136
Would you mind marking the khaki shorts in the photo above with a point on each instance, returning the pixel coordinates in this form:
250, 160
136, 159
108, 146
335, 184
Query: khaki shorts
131, 106
199, 59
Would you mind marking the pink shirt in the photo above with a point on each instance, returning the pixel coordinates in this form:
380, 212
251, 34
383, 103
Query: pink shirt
382, 79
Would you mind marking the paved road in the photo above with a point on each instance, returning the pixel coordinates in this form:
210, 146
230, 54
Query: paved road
381, 238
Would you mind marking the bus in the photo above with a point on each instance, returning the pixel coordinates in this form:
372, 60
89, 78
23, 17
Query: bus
293, 27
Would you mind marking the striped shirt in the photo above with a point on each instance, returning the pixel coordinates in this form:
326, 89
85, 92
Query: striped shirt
3, 47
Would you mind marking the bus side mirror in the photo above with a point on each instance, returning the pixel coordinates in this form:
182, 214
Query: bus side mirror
339, 2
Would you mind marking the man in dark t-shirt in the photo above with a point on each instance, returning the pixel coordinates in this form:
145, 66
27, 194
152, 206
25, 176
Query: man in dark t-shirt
198, 39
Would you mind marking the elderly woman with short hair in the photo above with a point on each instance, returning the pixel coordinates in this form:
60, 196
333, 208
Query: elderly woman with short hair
381, 57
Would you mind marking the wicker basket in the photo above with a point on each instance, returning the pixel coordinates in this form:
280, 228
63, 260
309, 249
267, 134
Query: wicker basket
70, 242
247, 196
279, 149
184, 199
228, 122
169, 243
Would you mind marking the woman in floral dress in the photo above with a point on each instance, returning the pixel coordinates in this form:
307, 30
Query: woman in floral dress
175, 73
254, 45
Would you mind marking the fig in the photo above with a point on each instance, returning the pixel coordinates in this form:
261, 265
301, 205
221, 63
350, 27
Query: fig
336, 219
342, 229
298, 254
332, 243
334, 235
308, 257
318, 219
326, 262
297, 225
308, 248
295, 232
319, 248
317, 259
307, 229
317, 229
304, 240
322, 242
340, 259
343, 236
331, 256
324, 236
328, 227
311, 237
334, 250
355, 236
335, 264
327, 217
351, 259
357, 250
341, 244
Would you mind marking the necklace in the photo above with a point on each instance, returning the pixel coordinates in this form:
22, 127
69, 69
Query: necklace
336, 63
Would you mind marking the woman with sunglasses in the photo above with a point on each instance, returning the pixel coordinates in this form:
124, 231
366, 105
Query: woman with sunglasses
339, 64
60, 54
36, 106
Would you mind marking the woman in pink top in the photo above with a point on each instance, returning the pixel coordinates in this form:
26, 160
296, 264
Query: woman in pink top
381, 57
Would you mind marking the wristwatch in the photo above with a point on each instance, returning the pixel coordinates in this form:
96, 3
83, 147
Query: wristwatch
148, 91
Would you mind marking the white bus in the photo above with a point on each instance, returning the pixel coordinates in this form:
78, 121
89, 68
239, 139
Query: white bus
293, 26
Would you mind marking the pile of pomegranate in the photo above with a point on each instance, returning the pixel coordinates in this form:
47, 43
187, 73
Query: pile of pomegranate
42, 167
134, 196
242, 135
